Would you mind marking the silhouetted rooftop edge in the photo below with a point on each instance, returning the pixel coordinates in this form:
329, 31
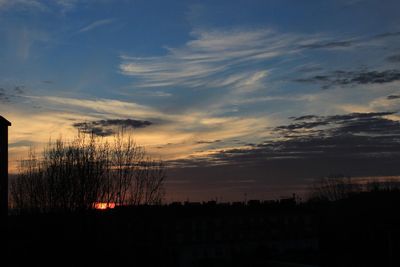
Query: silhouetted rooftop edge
4, 122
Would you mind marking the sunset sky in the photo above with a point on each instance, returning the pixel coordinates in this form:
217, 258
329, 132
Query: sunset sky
250, 99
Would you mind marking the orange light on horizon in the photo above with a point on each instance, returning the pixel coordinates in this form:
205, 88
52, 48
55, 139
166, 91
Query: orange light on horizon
104, 205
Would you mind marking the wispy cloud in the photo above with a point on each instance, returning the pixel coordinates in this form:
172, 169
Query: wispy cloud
96, 24
23, 4
9, 95
179, 135
67, 5
107, 107
241, 59
62, 6
38, 5
213, 59
329, 45
3, 96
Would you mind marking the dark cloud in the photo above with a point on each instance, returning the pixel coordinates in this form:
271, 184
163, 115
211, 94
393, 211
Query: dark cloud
373, 123
22, 143
3, 96
353, 77
348, 135
99, 131
301, 125
371, 77
358, 144
393, 58
11, 94
19, 90
349, 43
386, 35
392, 97
305, 117
109, 127
208, 141
332, 44
129, 123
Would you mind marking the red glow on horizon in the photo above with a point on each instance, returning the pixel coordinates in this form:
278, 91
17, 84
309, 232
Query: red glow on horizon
104, 205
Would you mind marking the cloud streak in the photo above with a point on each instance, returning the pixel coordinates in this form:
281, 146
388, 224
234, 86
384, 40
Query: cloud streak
392, 97
328, 45
212, 59
96, 24
109, 127
39, 5
23, 4
243, 59
362, 77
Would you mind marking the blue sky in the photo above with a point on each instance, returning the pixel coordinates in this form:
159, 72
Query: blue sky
205, 84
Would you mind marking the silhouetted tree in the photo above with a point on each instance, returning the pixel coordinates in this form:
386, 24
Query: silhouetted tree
28, 189
147, 187
332, 188
73, 176
383, 185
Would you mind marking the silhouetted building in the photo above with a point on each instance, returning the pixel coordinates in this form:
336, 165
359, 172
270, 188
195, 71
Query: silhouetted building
363, 230
192, 234
4, 124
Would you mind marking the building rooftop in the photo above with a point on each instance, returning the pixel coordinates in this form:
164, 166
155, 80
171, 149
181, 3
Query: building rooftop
4, 122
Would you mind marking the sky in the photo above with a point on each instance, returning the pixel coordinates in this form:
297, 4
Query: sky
242, 99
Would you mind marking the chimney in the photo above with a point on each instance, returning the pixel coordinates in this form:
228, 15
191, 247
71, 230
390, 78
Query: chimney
4, 124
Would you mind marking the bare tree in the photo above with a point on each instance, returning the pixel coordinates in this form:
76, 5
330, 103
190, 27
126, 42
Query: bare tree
73, 176
146, 188
27, 190
334, 187
138, 179
337, 187
126, 159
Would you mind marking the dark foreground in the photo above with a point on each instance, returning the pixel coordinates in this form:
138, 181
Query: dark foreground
363, 230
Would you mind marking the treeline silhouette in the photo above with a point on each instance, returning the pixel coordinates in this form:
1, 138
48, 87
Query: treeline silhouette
74, 175
345, 222
336, 187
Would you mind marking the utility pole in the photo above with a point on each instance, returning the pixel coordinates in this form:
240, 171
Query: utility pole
4, 124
